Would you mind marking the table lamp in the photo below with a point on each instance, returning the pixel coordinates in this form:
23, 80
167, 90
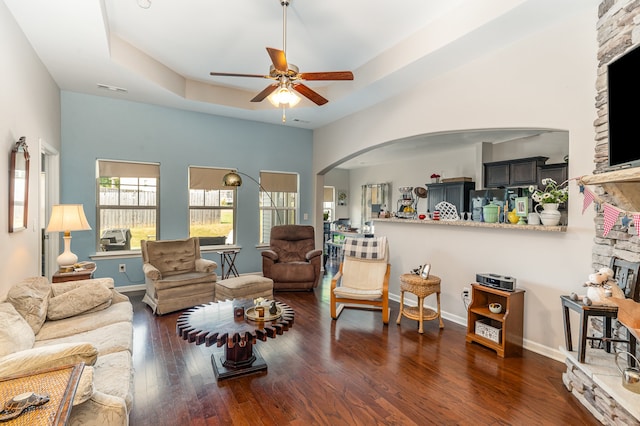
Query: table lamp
66, 218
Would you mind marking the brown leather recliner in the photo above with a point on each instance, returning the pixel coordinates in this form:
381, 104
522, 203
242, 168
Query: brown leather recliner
292, 261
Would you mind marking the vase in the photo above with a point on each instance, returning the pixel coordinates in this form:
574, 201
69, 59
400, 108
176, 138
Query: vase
549, 216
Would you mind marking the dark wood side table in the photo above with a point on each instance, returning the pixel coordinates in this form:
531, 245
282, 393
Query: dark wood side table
608, 312
59, 383
61, 277
228, 259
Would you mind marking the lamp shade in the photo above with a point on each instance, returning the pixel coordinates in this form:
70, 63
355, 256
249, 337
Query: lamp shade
232, 179
68, 217
284, 96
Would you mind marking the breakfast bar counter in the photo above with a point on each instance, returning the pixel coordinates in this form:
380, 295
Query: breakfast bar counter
474, 224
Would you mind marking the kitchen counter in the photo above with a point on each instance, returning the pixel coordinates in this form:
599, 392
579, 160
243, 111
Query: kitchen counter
473, 224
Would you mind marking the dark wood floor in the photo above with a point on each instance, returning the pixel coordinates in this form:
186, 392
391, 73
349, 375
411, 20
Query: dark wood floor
353, 371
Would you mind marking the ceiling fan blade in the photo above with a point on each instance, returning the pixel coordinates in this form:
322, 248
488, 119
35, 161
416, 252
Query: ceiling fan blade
230, 74
266, 92
310, 94
279, 59
330, 75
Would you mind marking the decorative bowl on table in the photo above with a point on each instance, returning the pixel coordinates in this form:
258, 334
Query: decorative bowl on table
496, 308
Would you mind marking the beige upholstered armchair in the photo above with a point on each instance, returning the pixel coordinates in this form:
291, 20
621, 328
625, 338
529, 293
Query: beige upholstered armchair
176, 276
363, 278
292, 261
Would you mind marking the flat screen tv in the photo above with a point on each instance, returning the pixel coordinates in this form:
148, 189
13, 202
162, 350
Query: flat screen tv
624, 115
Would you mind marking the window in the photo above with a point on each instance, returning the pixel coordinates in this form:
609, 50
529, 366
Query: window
328, 204
211, 207
127, 204
278, 201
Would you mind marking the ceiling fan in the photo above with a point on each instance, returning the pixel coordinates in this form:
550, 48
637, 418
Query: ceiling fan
287, 76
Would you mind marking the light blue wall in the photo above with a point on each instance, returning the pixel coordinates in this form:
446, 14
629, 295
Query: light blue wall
103, 128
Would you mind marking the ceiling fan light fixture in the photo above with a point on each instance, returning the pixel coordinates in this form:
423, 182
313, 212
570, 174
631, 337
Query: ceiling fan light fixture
284, 96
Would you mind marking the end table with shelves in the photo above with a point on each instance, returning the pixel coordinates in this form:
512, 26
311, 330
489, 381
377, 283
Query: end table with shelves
77, 275
506, 325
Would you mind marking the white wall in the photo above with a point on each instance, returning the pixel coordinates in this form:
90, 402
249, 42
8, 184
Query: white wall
30, 107
544, 81
554, 145
339, 179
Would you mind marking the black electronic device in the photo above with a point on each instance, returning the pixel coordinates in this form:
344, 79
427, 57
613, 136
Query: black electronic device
623, 93
500, 282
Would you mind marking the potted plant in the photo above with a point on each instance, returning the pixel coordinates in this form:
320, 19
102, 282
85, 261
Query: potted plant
549, 198
435, 178
551, 194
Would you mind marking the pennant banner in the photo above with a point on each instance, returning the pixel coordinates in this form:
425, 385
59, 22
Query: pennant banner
611, 213
588, 199
610, 217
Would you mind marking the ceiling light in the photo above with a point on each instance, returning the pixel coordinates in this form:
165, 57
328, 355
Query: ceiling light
145, 4
284, 96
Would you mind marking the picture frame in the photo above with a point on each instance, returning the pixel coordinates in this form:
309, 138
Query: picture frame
342, 198
424, 271
522, 206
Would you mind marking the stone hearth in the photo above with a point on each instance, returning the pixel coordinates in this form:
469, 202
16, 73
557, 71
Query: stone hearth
597, 384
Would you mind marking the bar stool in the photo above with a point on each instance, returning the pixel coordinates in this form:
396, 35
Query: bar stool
421, 288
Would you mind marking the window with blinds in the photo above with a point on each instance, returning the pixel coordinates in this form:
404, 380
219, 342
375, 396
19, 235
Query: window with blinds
127, 205
278, 201
328, 204
212, 207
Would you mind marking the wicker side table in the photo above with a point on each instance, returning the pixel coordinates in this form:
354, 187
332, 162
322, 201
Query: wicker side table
59, 383
421, 288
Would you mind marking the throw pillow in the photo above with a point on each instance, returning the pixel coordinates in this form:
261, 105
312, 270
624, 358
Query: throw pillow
80, 300
59, 288
30, 297
15, 332
58, 355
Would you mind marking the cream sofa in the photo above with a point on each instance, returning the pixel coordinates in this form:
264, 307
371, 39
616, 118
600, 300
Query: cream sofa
45, 325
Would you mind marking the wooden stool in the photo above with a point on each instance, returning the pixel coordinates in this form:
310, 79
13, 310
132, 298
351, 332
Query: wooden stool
421, 288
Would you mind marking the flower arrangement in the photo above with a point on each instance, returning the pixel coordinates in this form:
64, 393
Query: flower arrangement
552, 193
435, 176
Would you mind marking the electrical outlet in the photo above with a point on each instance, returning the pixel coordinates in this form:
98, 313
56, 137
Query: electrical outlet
465, 291
122, 267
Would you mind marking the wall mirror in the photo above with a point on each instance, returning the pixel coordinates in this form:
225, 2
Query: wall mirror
374, 198
19, 186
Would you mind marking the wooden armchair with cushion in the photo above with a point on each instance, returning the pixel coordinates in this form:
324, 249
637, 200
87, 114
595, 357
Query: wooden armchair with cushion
363, 278
292, 261
176, 276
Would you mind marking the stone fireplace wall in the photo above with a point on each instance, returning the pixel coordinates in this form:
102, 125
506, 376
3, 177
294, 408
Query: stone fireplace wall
618, 31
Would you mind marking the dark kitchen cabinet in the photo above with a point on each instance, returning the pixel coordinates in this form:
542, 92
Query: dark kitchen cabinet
558, 172
520, 172
456, 193
496, 175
